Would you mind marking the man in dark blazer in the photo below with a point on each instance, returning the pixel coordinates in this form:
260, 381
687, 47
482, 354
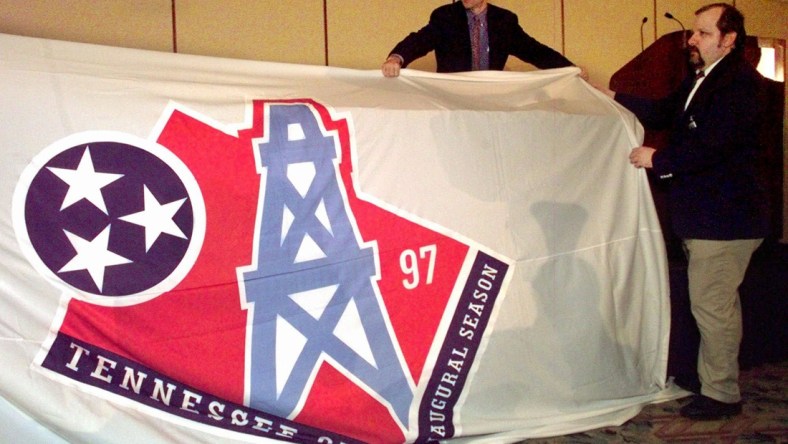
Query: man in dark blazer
717, 205
448, 33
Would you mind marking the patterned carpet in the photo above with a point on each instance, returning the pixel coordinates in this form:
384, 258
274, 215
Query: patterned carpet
764, 418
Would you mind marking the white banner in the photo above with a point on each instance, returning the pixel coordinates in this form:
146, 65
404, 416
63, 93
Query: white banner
209, 250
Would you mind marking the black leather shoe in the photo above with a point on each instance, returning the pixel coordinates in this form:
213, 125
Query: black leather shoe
703, 408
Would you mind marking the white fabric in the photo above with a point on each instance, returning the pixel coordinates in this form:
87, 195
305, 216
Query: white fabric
532, 166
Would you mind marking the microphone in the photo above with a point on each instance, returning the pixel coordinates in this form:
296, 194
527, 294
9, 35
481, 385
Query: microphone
642, 46
683, 29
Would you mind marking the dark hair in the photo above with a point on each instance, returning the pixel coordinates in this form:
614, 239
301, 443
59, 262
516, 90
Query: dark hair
731, 20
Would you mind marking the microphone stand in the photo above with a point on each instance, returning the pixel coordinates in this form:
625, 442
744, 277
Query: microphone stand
642, 45
683, 29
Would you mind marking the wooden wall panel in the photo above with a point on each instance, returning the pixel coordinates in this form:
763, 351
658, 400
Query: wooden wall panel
765, 18
603, 36
541, 19
289, 31
361, 34
143, 24
683, 10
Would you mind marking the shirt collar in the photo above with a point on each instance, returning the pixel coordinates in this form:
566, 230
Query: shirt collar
482, 15
708, 69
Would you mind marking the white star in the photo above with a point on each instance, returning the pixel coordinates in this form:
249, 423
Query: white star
156, 218
93, 256
85, 183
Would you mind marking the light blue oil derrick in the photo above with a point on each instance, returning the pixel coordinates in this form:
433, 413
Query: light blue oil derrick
313, 291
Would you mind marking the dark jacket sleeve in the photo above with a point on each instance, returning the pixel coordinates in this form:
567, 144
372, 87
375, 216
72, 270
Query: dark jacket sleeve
506, 33
715, 133
657, 114
721, 119
711, 155
440, 32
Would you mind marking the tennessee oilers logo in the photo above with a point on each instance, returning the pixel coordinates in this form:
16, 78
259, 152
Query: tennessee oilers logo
252, 253
110, 218
313, 285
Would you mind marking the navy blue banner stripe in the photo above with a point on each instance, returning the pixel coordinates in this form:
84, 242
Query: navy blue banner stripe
460, 347
108, 371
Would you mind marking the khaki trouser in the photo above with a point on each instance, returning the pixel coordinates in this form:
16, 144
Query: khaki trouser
715, 271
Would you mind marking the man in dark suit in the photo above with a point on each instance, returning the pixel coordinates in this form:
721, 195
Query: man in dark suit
717, 205
450, 33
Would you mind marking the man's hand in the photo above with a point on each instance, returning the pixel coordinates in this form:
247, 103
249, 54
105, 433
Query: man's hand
641, 156
584, 73
604, 89
391, 66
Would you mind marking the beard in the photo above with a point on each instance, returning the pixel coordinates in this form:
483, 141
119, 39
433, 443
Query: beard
695, 59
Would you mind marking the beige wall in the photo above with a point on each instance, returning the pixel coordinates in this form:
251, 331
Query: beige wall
603, 36
361, 36
252, 29
145, 24
600, 35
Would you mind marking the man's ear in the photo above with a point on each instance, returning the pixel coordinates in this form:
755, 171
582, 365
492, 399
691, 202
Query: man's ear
729, 39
